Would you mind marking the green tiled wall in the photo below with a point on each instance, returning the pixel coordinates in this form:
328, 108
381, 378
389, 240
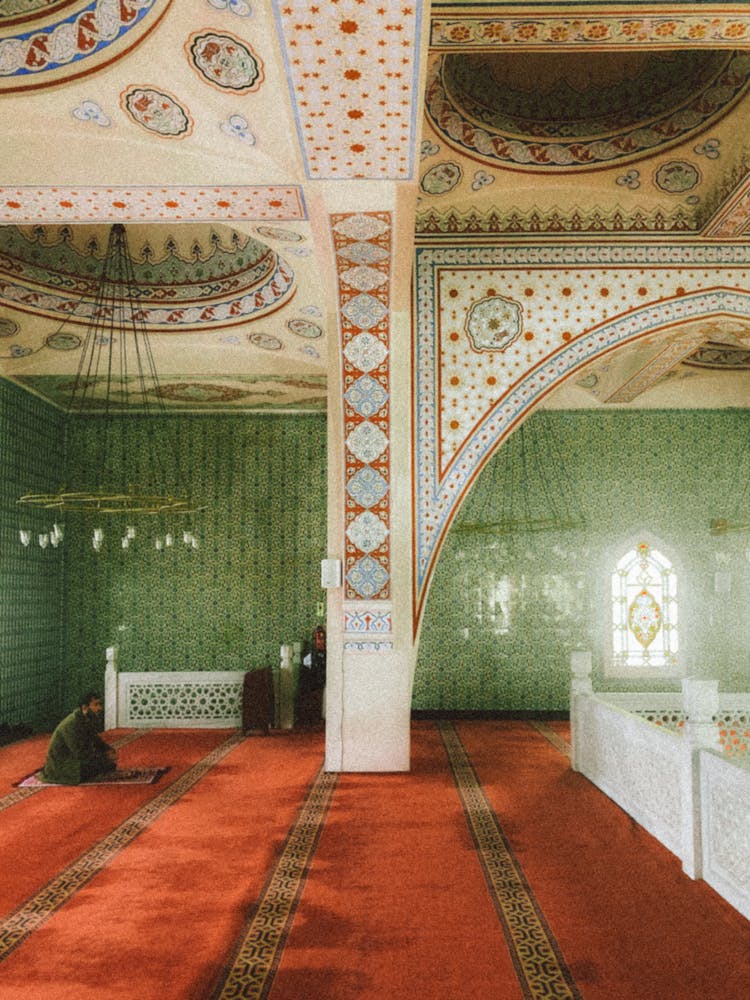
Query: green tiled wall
669, 473
31, 439
253, 584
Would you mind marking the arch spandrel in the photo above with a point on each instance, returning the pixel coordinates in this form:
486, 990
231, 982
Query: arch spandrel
445, 467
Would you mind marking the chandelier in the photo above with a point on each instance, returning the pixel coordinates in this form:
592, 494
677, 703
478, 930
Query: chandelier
530, 489
116, 375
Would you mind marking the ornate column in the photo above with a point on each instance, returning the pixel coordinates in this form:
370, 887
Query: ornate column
370, 655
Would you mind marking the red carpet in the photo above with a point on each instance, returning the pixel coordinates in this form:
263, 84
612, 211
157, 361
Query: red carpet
395, 905
490, 871
629, 922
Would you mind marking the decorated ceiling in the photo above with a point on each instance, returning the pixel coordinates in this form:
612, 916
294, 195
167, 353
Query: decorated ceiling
225, 134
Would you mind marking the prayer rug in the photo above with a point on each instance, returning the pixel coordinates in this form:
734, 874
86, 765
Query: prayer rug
122, 776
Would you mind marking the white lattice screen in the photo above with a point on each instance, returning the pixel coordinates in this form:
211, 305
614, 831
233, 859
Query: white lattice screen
208, 699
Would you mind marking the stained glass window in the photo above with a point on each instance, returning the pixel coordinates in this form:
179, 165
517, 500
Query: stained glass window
644, 613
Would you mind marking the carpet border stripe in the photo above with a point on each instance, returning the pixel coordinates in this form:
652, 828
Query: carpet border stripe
537, 958
557, 741
260, 946
31, 915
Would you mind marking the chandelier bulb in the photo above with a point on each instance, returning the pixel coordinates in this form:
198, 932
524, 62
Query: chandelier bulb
25, 537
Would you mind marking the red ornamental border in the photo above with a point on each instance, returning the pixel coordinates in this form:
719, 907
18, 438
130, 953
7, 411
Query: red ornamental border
352, 419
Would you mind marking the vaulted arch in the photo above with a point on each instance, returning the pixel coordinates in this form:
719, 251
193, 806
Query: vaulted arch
441, 484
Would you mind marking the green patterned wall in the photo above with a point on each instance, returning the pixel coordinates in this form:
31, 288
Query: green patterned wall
669, 472
31, 446
253, 583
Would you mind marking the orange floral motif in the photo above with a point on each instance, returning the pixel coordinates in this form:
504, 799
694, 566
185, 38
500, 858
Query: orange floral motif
597, 31
631, 29
527, 31
496, 30
666, 29
734, 31
459, 33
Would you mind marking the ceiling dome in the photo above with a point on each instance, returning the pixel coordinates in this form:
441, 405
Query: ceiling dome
44, 42
188, 277
576, 110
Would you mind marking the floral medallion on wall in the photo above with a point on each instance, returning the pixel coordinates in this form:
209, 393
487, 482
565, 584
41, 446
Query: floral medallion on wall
157, 111
224, 61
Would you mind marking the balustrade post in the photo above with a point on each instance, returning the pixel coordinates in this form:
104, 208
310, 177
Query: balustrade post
110, 689
580, 686
286, 689
700, 704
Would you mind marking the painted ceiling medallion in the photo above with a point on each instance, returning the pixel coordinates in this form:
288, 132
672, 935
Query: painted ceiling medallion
493, 323
304, 328
266, 341
274, 233
441, 178
225, 61
676, 176
576, 110
44, 43
157, 111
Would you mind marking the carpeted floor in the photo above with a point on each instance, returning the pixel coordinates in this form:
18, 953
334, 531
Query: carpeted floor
490, 870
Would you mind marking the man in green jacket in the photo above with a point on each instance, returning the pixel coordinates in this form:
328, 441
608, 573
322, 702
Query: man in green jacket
77, 752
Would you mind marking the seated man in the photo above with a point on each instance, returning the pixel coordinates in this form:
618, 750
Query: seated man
77, 752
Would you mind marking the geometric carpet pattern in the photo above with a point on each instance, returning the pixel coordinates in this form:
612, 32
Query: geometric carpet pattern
258, 952
556, 739
535, 954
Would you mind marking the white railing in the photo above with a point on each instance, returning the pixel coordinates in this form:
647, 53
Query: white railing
635, 763
190, 699
679, 765
725, 827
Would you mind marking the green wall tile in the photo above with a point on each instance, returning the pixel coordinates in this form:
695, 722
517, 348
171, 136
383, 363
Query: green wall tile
666, 472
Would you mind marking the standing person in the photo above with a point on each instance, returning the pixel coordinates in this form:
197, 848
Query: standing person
77, 752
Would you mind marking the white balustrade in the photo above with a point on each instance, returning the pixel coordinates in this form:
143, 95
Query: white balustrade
679, 765
208, 699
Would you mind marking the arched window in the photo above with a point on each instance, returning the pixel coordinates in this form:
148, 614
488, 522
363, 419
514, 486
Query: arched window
644, 615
